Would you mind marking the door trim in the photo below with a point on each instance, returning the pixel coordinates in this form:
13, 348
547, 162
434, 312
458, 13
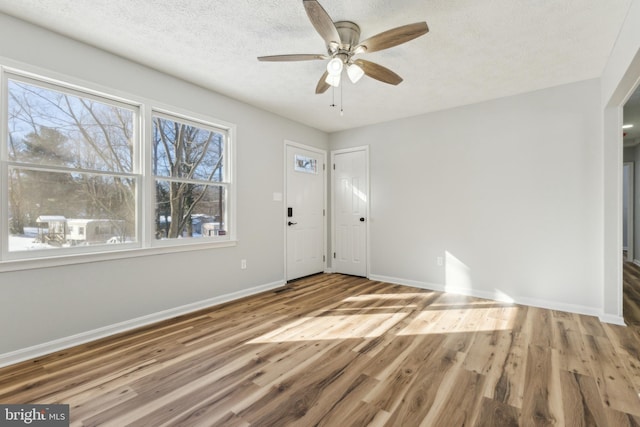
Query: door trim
630, 212
364, 148
289, 143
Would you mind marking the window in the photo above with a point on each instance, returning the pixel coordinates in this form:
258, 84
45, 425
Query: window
70, 157
75, 180
190, 179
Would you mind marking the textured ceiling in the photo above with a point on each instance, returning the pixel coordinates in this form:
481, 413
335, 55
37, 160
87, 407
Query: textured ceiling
475, 50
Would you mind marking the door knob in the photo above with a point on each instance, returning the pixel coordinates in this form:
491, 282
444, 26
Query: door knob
291, 223
361, 219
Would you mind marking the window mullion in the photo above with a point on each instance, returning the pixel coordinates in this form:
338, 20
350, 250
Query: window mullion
192, 181
147, 211
47, 168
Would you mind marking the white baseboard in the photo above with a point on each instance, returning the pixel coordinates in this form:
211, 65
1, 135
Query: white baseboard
441, 288
39, 350
636, 262
501, 297
554, 305
610, 318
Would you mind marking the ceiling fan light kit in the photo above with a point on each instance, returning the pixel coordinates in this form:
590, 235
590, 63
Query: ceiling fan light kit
342, 39
355, 72
334, 67
333, 79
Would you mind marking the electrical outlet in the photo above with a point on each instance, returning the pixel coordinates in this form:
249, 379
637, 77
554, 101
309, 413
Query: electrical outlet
243, 264
440, 261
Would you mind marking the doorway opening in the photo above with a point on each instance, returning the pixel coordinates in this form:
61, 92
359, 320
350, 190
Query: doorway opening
631, 210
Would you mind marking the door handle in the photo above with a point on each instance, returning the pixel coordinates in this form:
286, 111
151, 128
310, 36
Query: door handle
291, 223
361, 219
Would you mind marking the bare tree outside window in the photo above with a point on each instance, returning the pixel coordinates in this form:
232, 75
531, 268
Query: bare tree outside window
69, 156
188, 162
77, 180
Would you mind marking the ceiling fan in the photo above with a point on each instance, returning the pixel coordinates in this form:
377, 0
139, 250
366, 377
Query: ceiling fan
343, 44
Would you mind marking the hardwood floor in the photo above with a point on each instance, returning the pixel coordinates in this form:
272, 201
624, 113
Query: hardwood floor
334, 350
631, 290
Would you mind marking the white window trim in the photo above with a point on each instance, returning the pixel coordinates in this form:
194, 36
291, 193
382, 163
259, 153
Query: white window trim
146, 245
227, 183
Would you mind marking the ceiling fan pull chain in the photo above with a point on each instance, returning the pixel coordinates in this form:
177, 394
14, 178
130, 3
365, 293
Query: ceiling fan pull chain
333, 96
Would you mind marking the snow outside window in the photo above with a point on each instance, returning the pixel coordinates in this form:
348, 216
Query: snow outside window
78, 178
70, 163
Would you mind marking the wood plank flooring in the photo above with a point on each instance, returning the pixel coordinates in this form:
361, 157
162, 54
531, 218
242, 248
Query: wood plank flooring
334, 350
631, 290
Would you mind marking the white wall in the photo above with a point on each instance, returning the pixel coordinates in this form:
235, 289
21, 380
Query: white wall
41, 305
496, 189
618, 80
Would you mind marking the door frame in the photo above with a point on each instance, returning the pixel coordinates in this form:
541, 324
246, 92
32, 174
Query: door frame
289, 143
364, 148
630, 212
612, 113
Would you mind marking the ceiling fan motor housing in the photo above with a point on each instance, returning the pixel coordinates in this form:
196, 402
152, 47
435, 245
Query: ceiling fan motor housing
349, 37
349, 33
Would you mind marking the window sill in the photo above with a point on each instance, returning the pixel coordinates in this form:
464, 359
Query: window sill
56, 261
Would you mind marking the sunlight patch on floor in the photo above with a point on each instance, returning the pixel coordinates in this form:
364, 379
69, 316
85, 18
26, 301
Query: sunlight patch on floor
382, 307
377, 297
462, 304
461, 320
352, 320
333, 327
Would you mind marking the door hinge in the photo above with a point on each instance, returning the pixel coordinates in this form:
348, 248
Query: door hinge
323, 213
324, 166
334, 166
334, 254
323, 258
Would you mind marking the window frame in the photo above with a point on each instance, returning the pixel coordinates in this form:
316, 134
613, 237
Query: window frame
144, 109
227, 182
134, 174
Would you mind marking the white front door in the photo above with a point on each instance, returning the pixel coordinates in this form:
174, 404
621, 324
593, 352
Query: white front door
350, 204
304, 215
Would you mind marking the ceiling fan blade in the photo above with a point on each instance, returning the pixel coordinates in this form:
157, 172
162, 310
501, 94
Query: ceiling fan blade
378, 72
321, 21
293, 57
394, 37
322, 84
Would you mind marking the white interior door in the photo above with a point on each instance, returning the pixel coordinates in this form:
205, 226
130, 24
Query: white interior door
305, 209
350, 201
